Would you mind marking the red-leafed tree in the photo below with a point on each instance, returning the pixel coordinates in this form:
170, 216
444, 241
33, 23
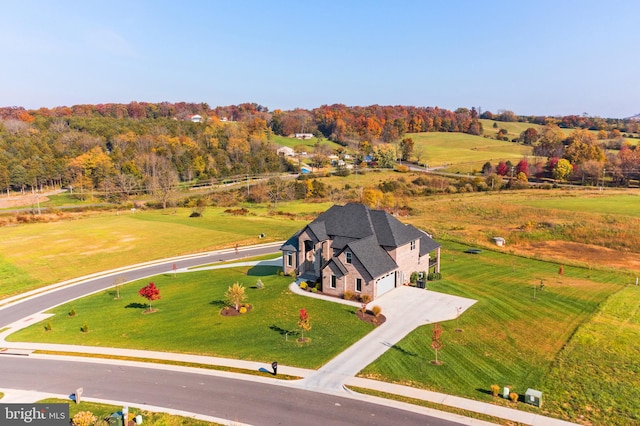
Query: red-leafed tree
502, 169
304, 323
523, 167
150, 292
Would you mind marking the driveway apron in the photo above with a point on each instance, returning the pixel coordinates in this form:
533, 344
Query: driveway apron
405, 308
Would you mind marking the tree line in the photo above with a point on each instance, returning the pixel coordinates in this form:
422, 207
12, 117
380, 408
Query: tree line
121, 149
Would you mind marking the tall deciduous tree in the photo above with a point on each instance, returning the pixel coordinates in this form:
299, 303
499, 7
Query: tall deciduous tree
406, 148
562, 169
529, 136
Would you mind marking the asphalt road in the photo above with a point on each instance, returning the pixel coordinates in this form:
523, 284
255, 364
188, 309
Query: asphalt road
237, 400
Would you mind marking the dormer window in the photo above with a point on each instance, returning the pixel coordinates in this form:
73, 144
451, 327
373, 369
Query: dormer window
347, 255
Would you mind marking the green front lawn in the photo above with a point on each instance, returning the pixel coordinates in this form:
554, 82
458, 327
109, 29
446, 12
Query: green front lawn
188, 320
508, 338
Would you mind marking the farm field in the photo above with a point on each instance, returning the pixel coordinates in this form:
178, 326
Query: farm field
308, 143
463, 152
582, 227
43, 253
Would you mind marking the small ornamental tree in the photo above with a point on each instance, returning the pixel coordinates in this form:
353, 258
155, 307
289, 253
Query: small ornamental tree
436, 344
150, 292
235, 295
304, 323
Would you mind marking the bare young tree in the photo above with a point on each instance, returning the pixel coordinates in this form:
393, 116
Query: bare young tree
279, 189
164, 181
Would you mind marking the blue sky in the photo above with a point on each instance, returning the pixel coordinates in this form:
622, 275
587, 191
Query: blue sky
544, 58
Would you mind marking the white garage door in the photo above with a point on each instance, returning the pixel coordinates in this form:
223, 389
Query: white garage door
386, 283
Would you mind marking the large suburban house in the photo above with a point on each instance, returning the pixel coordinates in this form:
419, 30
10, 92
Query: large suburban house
355, 249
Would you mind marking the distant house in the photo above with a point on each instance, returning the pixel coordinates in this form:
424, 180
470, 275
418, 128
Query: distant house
286, 151
196, 118
303, 135
356, 249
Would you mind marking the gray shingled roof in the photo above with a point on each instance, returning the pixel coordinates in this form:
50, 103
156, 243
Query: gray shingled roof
374, 258
365, 232
291, 244
427, 245
351, 220
390, 231
343, 269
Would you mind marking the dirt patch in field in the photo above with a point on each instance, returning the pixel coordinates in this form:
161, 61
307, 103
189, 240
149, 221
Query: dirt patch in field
583, 253
21, 201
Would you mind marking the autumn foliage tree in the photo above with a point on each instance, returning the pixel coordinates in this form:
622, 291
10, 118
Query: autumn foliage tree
150, 292
303, 323
436, 343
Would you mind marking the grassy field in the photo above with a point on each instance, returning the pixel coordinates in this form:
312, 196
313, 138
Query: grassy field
188, 320
572, 226
601, 202
513, 128
508, 337
43, 253
463, 152
596, 374
309, 144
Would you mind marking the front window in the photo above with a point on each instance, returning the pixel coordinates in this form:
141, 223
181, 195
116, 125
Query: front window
289, 259
348, 256
333, 281
358, 285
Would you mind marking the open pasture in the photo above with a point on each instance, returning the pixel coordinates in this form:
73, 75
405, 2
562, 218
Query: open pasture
465, 152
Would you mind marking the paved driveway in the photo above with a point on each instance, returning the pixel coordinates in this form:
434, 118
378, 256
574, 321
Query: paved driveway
406, 308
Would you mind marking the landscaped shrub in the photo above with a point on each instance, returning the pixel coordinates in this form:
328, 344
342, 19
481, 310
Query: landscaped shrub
513, 396
47, 326
243, 310
303, 285
259, 284
414, 277
349, 295
314, 290
365, 298
376, 310
495, 390
84, 328
434, 276
72, 312
84, 418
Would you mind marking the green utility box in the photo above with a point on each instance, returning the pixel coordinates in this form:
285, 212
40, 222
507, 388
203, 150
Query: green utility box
533, 397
